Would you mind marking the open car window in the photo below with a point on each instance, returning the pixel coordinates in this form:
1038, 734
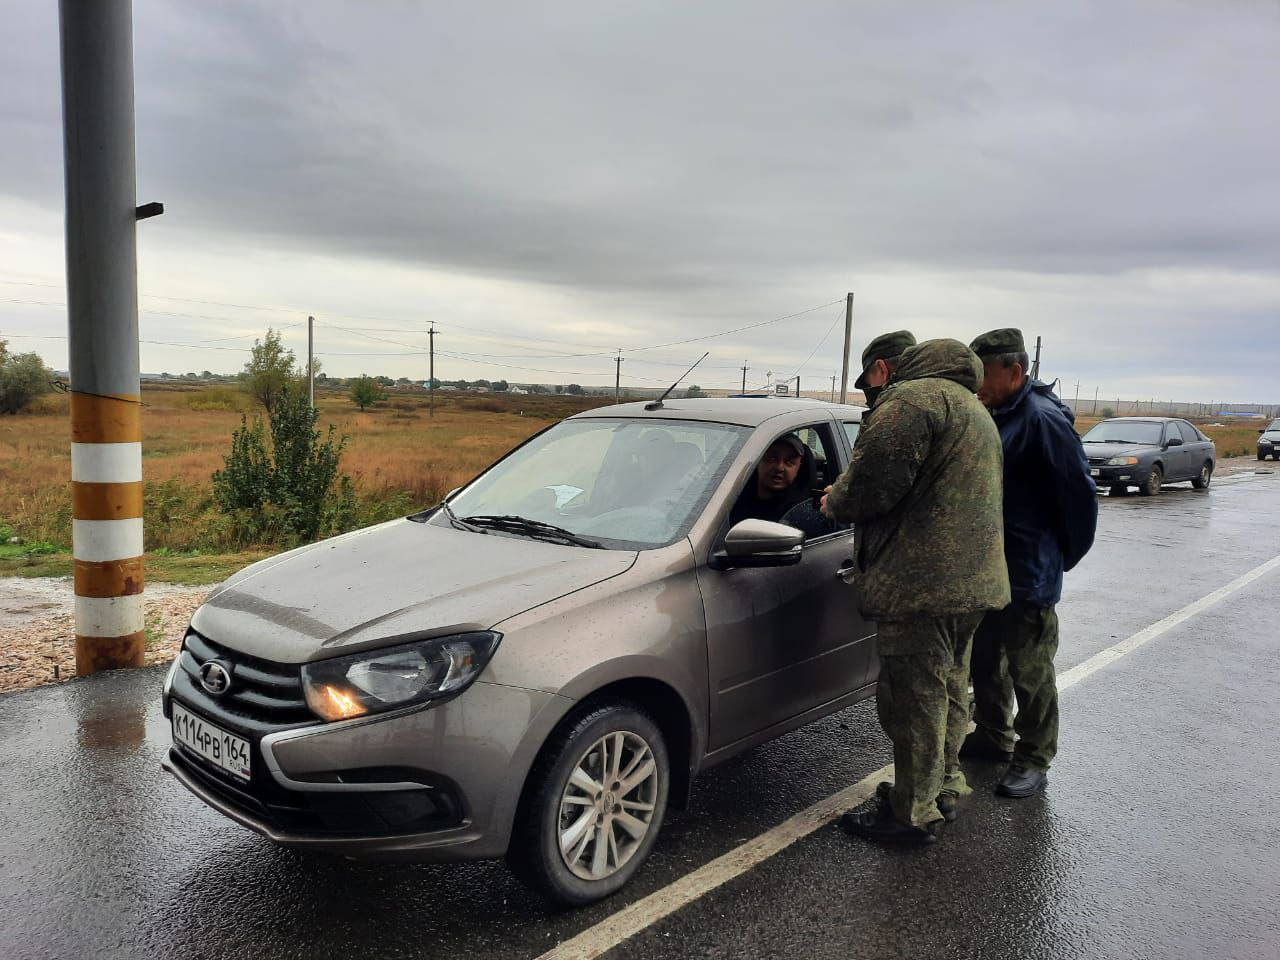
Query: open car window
819, 469
627, 484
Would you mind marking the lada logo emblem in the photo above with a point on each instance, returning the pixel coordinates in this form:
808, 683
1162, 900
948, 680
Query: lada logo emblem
215, 678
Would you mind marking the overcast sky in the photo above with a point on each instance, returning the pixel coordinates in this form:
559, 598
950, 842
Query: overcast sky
550, 182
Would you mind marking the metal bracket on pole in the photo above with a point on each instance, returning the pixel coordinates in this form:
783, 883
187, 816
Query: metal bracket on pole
148, 210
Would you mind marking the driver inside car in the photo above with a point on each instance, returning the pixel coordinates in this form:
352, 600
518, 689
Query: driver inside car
782, 480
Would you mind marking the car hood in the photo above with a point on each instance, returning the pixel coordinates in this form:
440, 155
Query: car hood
1272, 435
1108, 450
398, 580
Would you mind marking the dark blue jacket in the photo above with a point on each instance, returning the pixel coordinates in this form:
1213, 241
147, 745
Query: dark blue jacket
1050, 502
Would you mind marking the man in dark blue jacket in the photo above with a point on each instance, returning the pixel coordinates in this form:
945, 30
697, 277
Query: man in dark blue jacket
1050, 514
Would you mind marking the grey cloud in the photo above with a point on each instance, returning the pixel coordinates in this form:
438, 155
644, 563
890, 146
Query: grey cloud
681, 152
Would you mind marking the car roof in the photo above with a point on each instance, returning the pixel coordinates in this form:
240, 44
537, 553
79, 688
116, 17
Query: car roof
743, 411
1146, 419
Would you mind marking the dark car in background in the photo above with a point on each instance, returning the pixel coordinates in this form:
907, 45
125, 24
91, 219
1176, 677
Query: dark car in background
1269, 442
1148, 452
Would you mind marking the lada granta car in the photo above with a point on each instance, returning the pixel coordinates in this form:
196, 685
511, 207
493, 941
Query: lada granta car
538, 667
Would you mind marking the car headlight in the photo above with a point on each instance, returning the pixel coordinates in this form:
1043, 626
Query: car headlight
1264, 442
1122, 461
395, 677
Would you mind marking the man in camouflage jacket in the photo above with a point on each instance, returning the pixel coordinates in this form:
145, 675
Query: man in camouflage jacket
923, 491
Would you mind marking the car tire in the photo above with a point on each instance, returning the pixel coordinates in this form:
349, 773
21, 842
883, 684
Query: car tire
1154, 481
1204, 477
567, 778
1261, 455
1118, 490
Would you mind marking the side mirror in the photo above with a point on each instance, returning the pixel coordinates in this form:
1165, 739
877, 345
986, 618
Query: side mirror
1173, 442
1263, 430
761, 543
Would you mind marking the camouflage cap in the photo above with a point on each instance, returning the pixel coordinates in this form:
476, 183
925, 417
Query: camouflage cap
995, 343
887, 346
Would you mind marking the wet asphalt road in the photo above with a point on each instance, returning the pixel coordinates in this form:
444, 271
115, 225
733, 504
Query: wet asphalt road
1159, 835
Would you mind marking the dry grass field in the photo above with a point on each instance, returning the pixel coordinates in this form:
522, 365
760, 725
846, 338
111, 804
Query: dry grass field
399, 457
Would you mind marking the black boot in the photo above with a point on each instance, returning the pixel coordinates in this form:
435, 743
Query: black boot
1021, 782
946, 801
881, 826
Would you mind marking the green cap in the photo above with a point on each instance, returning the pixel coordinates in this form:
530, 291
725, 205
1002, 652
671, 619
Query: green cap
887, 346
995, 343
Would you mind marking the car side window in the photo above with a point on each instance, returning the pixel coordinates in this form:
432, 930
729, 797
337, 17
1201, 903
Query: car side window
805, 515
851, 431
1189, 433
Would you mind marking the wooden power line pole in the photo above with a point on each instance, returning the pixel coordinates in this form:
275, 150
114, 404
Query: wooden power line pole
431, 371
848, 333
745, 368
617, 377
311, 362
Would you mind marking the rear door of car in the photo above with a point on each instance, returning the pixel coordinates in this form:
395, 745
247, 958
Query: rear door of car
785, 640
1199, 448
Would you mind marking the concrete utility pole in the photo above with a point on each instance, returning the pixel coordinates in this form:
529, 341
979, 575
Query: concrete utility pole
848, 333
1075, 404
1095, 399
833, 388
102, 319
1035, 366
311, 362
431, 372
745, 368
617, 377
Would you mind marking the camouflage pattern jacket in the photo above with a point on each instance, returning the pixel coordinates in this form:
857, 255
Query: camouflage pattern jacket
924, 492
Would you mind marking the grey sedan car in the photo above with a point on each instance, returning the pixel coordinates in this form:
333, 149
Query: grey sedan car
1269, 441
1148, 452
538, 667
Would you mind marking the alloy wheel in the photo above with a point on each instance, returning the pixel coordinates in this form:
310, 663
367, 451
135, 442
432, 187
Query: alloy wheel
607, 805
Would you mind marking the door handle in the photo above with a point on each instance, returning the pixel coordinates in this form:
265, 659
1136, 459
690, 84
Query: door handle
846, 570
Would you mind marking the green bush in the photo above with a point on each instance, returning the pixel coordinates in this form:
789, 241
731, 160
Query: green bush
23, 377
287, 490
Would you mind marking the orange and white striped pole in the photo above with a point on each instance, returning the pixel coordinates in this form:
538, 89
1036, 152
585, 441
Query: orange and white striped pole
102, 311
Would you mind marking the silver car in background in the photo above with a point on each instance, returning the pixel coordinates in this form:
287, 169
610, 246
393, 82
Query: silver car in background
539, 667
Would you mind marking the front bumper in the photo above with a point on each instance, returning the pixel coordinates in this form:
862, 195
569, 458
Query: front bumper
1132, 475
440, 783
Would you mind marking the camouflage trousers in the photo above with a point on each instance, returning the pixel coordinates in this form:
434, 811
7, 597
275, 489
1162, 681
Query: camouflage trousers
922, 699
1013, 654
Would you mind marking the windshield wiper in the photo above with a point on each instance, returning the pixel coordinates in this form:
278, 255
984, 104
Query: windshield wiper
457, 521
534, 528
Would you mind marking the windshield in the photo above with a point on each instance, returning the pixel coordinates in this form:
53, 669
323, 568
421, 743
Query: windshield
1275, 424
1126, 431
627, 484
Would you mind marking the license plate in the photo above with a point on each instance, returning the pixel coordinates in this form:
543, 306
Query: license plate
220, 748
1095, 473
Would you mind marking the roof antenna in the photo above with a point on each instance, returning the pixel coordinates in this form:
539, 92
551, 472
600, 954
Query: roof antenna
657, 404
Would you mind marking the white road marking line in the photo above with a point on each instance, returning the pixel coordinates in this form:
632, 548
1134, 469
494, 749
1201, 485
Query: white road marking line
1070, 678
627, 922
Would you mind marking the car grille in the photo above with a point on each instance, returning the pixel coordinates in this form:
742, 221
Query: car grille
1096, 461
262, 695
